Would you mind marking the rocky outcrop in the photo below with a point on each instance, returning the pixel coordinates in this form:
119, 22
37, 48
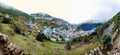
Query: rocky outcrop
115, 50
8, 48
108, 30
116, 43
100, 50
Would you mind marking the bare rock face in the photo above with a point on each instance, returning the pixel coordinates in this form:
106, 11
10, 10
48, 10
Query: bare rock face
8, 48
116, 43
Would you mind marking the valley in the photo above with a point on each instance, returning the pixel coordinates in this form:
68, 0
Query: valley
42, 34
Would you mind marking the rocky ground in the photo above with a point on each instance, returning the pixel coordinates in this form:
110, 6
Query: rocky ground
115, 49
1, 52
116, 43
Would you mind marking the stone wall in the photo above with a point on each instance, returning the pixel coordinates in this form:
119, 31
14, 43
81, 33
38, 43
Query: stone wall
8, 48
100, 50
115, 48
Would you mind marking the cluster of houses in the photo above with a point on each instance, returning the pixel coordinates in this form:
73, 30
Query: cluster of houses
61, 33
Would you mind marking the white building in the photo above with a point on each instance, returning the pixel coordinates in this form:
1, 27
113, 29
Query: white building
7, 16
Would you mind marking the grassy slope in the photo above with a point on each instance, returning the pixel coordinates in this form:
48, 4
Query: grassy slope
30, 44
44, 22
82, 50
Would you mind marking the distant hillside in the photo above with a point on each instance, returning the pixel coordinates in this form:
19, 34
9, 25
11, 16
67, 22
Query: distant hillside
48, 20
12, 11
15, 18
88, 26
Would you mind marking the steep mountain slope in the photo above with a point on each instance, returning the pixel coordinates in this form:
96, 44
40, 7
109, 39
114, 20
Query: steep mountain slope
115, 21
12, 11
116, 43
88, 26
14, 18
109, 35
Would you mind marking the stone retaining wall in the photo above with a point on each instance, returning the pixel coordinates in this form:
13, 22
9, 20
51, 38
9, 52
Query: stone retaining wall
8, 48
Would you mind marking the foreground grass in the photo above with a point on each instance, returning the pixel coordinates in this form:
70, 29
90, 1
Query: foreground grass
82, 50
29, 44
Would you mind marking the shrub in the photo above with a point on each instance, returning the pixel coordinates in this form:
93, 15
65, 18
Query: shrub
106, 39
41, 37
7, 20
63, 39
1, 27
17, 29
86, 39
77, 39
68, 46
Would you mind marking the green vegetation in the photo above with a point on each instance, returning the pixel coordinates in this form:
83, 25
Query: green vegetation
77, 39
80, 39
44, 22
115, 20
41, 37
29, 43
68, 46
106, 39
19, 34
81, 50
86, 39
6, 20
13, 12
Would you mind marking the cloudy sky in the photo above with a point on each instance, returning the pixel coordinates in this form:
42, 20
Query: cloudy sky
73, 11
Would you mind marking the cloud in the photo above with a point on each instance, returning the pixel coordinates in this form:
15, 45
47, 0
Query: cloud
5, 5
73, 11
106, 10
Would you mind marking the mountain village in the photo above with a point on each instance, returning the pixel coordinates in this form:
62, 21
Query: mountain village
59, 33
